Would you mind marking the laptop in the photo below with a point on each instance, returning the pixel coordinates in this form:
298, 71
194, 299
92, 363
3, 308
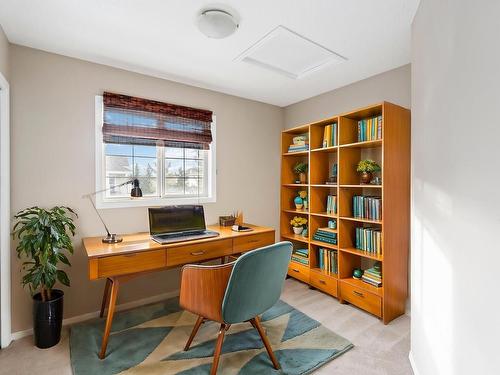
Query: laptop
172, 224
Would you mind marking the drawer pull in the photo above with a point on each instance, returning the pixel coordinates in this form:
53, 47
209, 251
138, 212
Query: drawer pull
322, 281
359, 294
198, 253
294, 270
252, 241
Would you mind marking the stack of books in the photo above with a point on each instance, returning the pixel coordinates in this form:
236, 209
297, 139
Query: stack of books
331, 205
300, 143
369, 240
370, 129
301, 256
367, 207
330, 135
326, 235
327, 260
373, 276
332, 180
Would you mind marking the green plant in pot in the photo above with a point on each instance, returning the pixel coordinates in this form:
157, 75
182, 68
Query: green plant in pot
44, 236
367, 167
300, 169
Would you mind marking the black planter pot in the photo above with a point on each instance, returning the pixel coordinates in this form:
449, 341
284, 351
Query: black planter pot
47, 319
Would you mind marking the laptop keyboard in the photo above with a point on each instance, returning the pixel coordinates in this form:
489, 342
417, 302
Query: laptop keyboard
179, 237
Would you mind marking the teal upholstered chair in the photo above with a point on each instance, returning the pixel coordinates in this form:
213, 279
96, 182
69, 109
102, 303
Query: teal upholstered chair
236, 292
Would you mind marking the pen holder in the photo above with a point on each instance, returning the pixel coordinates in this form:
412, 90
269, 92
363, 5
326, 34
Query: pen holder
226, 221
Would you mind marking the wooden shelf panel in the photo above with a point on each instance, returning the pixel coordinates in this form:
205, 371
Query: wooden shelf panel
295, 237
326, 149
297, 130
362, 253
362, 186
361, 220
324, 244
298, 153
365, 286
324, 214
295, 211
295, 185
328, 186
365, 144
325, 273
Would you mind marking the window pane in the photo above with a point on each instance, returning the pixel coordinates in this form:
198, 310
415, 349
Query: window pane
116, 149
174, 186
173, 152
194, 186
145, 151
148, 186
118, 166
117, 191
174, 167
193, 168
193, 153
144, 167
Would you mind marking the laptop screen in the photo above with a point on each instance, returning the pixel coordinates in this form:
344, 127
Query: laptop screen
171, 219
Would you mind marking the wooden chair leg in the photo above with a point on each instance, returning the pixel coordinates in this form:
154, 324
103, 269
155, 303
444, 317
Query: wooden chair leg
196, 327
256, 323
218, 348
105, 297
109, 320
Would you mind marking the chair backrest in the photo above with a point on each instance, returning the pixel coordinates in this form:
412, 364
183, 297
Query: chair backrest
255, 283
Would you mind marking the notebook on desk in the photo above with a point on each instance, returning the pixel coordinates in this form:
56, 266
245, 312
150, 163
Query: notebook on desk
172, 224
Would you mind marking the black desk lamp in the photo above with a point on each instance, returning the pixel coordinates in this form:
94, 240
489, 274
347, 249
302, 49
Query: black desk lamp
136, 192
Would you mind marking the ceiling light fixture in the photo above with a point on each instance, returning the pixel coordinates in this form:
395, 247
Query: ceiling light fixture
216, 23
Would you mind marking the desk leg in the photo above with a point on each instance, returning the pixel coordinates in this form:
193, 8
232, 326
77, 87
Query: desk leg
105, 297
115, 284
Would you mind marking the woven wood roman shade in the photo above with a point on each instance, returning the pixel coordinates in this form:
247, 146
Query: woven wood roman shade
137, 121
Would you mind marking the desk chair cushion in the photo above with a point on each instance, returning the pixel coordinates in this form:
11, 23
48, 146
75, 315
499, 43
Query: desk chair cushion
255, 283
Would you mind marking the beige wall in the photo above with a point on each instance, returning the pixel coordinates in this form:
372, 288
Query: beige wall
392, 86
4, 54
53, 160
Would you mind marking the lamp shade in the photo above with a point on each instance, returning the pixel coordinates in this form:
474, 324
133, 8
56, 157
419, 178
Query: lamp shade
136, 191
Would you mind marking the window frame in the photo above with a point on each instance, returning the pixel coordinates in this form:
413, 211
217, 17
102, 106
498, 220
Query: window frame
124, 202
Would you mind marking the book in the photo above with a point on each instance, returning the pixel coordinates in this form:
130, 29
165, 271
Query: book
331, 205
328, 260
368, 239
370, 129
330, 135
366, 207
300, 260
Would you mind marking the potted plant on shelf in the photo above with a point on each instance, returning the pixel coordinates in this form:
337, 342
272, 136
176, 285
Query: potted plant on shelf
44, 237
300, 169
367, 167
300, 200
298, 223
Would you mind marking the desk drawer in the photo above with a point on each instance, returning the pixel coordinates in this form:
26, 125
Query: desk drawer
251, 242
361, 298
323, 282
299, 271
198, 253
131, 263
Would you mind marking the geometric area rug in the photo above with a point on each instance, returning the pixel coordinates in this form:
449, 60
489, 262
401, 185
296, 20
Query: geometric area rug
150, 340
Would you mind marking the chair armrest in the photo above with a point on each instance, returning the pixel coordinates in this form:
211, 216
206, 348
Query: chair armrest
203, 289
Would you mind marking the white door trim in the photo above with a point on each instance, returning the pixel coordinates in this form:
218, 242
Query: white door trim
5, 291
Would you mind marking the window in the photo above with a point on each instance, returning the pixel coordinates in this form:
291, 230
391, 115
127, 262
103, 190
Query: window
173, 158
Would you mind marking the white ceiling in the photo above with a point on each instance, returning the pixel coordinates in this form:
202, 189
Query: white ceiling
160, 38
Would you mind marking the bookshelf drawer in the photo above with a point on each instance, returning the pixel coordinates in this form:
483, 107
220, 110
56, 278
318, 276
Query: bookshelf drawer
251, 242
131, 263
198, 253
361, 298
299, 272
323, 282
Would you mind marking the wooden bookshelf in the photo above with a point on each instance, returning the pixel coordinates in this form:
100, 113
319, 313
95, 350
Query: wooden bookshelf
392, 153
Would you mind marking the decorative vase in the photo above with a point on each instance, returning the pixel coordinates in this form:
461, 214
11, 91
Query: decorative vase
297, 230
366, 177
299, 203
302, 178
357, 273
304, 232
306, 204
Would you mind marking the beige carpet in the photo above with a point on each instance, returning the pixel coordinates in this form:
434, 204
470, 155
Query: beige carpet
378, 349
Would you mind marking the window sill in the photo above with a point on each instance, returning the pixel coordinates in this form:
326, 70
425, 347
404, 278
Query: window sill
150, 202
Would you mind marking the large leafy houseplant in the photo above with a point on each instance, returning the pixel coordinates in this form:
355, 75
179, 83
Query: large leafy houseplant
44, 237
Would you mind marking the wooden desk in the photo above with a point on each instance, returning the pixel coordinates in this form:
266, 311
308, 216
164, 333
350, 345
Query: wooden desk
138, 255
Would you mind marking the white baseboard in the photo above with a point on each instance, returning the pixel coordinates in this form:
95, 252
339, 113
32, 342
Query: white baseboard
81, 318
412, 364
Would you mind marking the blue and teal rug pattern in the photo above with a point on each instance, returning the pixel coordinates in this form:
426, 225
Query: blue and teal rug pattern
150, 340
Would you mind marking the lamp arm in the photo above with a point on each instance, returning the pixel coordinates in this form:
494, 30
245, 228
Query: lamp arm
89, 196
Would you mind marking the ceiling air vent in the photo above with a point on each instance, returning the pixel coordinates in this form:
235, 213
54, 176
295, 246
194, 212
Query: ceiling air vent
288, 53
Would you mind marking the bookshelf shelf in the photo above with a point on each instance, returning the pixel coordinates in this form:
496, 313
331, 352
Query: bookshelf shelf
324, 244
364, 286
361, 253
392, 152
365, 144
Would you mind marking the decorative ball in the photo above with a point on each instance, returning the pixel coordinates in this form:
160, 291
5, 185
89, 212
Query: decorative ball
298, 200
357, 273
